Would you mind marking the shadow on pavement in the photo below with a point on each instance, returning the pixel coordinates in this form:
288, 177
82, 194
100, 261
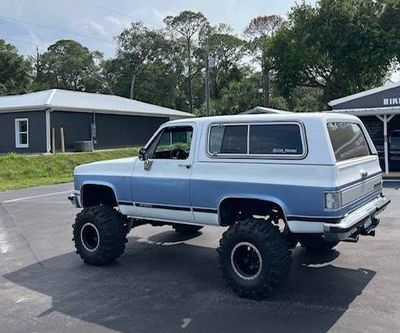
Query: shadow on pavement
172, 237
164, 287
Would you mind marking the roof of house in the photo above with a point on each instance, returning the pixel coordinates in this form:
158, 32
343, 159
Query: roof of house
363, 94
66, 100
261, 110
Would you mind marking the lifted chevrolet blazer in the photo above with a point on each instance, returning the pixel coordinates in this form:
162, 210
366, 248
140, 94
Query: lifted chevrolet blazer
272, 180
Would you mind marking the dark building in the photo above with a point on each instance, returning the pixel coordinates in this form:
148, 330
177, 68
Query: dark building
27, 121
378, 109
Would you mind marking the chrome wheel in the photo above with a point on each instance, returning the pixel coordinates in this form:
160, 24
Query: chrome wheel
246, 261
90, 237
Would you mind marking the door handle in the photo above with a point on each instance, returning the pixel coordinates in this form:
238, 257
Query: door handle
187, 166
364, 174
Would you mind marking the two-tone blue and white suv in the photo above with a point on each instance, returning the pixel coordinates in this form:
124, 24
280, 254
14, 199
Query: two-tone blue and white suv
273, 180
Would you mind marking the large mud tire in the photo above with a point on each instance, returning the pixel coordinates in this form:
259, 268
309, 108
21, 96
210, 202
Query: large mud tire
254, 258
99, 235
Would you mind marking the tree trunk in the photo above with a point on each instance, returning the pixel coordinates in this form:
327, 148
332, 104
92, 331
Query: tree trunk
263, 87
190, 75
132, 86
267, 89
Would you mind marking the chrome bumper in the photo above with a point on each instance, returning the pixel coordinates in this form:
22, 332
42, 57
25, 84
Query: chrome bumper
75, 199
361, 221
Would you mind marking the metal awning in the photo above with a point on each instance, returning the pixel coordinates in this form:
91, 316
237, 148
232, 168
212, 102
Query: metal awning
360, 112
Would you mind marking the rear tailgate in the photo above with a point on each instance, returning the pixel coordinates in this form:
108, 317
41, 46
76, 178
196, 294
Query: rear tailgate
358, 178
357, 164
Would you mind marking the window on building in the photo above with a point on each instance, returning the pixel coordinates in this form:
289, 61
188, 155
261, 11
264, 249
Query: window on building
21, 133
348, 140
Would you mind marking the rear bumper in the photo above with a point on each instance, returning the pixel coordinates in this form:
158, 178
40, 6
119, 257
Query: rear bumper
75, 199
361, 221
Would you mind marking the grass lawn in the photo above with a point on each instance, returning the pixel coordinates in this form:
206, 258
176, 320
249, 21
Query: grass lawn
20, 171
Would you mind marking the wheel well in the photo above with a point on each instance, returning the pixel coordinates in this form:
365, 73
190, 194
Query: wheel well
232, 210
94, 195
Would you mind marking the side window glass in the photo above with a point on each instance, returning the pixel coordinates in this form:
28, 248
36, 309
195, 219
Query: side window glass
230, 139
276, 139
172, 143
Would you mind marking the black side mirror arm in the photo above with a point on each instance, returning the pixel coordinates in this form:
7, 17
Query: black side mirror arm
142, 154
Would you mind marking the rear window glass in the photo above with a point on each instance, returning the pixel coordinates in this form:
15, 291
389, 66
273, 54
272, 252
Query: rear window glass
228, 139
279, 139
348, 140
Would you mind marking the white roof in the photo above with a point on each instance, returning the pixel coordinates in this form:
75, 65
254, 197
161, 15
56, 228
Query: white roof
363, 94
66, 100
262, 109
288, 116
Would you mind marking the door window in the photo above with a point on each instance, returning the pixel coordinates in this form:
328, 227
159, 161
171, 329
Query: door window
172, 143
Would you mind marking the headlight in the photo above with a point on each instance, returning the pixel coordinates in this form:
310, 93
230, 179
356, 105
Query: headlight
333, 200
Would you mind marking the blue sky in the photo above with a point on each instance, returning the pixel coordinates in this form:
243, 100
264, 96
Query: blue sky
27, 23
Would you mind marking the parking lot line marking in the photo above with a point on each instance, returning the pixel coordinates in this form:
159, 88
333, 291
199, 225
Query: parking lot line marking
186, 322
36, 196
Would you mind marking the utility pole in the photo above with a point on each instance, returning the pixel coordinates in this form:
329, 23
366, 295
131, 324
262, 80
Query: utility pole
207, 80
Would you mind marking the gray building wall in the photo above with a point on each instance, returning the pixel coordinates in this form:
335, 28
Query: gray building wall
386, 98
76, 127
37, 132
123, 131
112, 131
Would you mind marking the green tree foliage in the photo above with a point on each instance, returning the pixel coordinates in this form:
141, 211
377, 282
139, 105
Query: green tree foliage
227, 50
138, 47
68, 65
259, 32
148, 67
187, 24
237, 97
340, 46
14, 70
321, 52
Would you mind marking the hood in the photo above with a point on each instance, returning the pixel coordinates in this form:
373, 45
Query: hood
106, 167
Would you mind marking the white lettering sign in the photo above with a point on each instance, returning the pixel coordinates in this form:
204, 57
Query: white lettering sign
391, 101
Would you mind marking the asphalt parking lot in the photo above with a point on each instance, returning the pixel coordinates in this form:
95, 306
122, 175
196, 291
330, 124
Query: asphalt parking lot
164, 283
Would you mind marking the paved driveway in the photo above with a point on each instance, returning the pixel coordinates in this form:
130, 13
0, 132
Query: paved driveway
164, 283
